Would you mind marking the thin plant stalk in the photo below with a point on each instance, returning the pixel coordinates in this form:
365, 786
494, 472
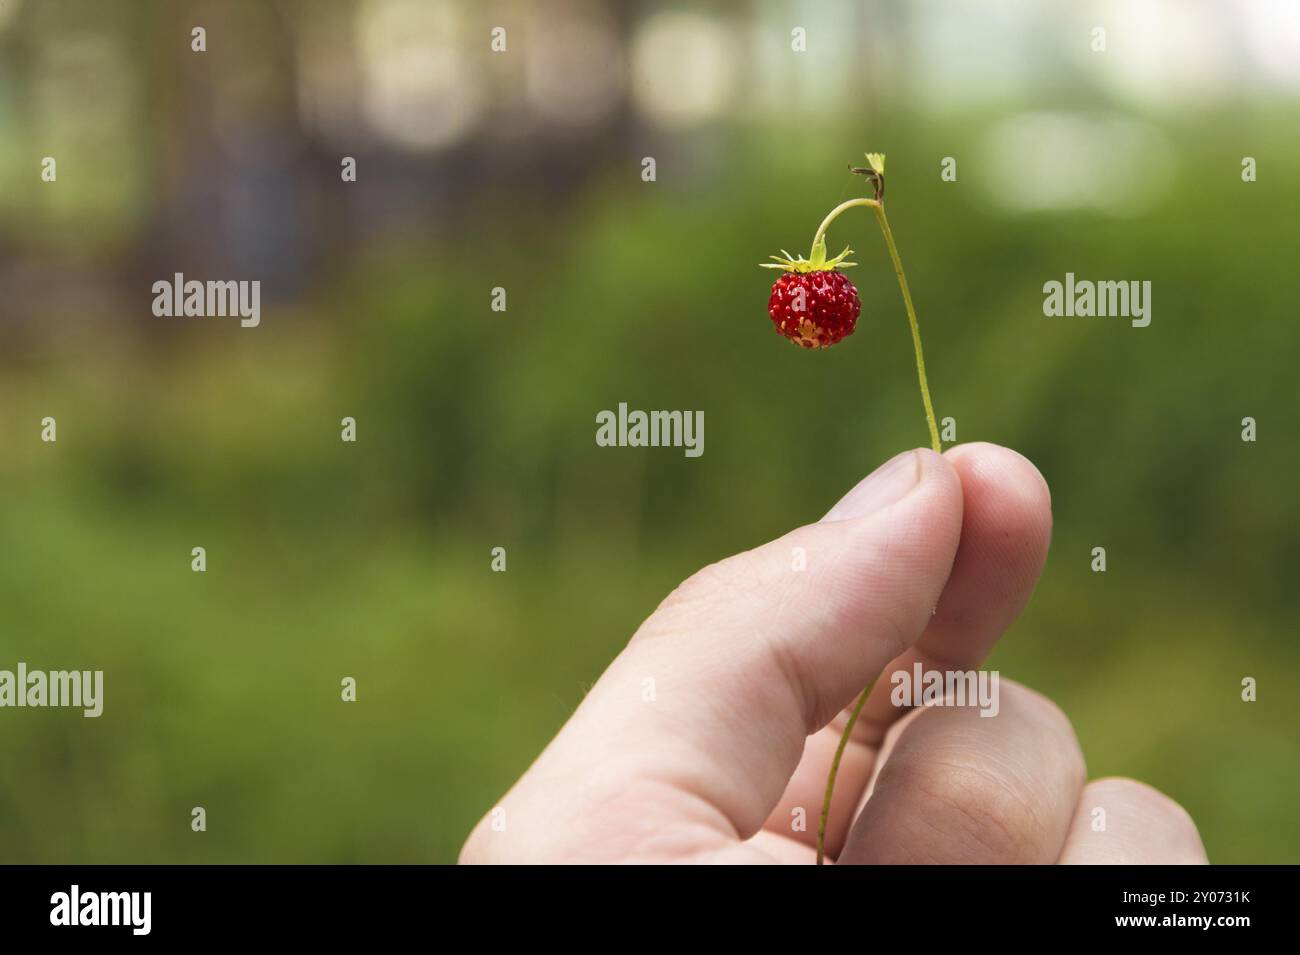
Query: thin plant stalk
877, 206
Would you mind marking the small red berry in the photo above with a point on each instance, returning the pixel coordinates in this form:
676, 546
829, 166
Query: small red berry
814, 309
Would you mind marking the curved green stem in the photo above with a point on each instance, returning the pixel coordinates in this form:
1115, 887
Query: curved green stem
916, 328
835, 771
879, 209
835, 214
820, 239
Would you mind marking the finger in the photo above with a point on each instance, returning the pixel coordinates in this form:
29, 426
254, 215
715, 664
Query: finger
958, 788
1124, 822
1006, 529
777, 849
709, 706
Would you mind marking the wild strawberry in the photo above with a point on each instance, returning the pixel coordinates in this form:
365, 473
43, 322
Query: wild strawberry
814, 309
815, 306
812, 304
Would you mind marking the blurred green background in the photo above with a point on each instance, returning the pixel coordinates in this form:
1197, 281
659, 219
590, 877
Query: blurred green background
522, 169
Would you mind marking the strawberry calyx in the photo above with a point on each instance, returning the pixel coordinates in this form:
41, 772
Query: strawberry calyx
815, 262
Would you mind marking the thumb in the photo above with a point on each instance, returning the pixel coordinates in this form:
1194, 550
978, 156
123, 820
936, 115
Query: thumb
709, 705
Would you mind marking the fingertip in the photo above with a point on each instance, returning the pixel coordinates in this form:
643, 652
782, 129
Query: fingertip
934, 466
1006, 532
1003, 490
939, 479
895, 481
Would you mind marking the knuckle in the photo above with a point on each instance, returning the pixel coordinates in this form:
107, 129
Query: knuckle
979, 807
1054, 727
719, 579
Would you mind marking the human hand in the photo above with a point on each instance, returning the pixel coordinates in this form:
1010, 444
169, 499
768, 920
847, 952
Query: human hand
709, 738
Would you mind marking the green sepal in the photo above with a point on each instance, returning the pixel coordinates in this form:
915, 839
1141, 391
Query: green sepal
816, 261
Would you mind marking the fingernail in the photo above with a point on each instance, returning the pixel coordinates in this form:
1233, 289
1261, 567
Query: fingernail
882, 487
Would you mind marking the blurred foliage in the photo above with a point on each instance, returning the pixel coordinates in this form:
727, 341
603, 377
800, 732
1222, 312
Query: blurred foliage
476, 430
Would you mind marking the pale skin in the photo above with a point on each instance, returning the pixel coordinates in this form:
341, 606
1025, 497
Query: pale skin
930, 558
